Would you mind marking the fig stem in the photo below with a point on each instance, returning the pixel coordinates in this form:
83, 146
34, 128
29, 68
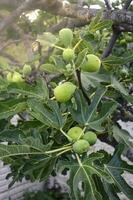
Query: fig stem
64, 151
78, 159
65, 135
78, 43
56, 150
82, 132
58, 47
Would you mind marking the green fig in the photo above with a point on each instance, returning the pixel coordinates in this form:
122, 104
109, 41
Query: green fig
64, 91
91, 64
27, 70
16, 78
68, 54
90, 137
75, 133
81, 146
66, 36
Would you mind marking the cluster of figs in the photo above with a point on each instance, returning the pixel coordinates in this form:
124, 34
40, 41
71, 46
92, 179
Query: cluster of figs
81, 141
64, 92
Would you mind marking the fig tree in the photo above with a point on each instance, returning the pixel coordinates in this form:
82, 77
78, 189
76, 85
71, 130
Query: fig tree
66, 36
91, 64
90, 137
81, 146
75, 133
64, 91
68, 54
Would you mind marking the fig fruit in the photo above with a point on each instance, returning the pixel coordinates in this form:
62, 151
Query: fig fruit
91, 64
75, 133
64, 91
66, 36
90, 137
81, 146
68, 54
26, 70
16, 77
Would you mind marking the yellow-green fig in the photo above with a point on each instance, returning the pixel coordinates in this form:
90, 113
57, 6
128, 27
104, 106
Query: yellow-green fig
75, 133
68, 54
66, 36
91, 64
90, 137
27, 70
64, 91
16, 78
81, 146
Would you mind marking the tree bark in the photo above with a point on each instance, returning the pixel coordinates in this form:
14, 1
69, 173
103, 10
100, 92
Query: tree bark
123, 18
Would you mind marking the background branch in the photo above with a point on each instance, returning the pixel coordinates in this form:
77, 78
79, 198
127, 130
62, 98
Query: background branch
112, 41
108, 4
127, 4
15, 14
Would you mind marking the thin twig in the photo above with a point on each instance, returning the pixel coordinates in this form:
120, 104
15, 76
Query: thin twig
111, 44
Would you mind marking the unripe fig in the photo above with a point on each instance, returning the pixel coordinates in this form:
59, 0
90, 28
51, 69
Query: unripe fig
90, 137
91, 64
81, 146
66, 36
68, 54
75, 133
64, 91
26, 70
9, 77
17, 77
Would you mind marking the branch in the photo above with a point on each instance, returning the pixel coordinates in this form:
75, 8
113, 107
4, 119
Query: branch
127, 4
108, 5
15, 14
8, 43
66, 9
111, 44
11, 59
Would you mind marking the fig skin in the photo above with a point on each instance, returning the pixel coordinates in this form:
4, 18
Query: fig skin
66, 36
90, 137
68, 54
91, 64
64, 92
75, 133
81, 146
27, 70
16, 77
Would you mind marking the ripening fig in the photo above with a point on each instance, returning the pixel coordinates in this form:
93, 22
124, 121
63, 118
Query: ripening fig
68, 54
66, 36
91, 64
75, 133
64, 91
81, 146
16, 77
90, 137
26, 70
